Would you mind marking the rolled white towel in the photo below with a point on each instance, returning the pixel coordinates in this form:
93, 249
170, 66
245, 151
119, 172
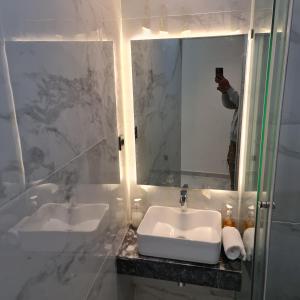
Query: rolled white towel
248, 239
233, 244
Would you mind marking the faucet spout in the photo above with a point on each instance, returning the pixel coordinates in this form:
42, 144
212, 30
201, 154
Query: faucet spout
183, 197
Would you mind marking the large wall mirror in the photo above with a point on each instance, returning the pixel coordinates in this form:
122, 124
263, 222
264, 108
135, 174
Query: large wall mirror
188, 107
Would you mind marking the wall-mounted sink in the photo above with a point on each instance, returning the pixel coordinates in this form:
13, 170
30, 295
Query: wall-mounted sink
57, 227
192, 235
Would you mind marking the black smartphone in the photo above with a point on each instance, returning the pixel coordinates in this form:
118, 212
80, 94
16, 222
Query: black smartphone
219, 72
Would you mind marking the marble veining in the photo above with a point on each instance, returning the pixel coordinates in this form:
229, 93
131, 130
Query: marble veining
68, 88
65, 102
70, 272
213, 23
224, 275
59, 20
151, 289
11, 172
66, 275
282, 284
62, 79
136, 8
157, 106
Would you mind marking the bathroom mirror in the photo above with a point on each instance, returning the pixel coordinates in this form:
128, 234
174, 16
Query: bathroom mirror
187, 105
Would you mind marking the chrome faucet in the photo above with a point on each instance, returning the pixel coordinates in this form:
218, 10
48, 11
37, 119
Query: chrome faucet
183, 197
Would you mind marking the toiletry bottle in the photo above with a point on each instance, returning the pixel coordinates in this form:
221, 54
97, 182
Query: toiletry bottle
137, 213
250, 220
228, 219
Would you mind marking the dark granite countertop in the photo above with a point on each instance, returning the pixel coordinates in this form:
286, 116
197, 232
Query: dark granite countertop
224, 275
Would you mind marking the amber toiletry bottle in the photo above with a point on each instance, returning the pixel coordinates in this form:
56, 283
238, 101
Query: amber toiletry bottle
228, 219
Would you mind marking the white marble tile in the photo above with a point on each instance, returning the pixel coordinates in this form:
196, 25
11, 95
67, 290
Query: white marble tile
284, 264
105, 284
287, 187
47, 276
11, 175
58, 275
77, 183
198, 25
58, 19
290, 113
108, 284
151, 289
136, 8
70, 272
64, 95
157, 104
68, 91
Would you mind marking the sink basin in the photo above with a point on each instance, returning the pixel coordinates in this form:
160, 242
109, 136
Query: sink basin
193, 235
57, 227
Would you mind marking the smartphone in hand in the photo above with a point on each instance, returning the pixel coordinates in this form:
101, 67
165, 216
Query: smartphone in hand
219, 74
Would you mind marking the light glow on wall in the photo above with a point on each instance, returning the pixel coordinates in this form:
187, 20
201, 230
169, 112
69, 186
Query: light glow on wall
245, 124
182, 34
176, 27
186, 32
163, 24
92, 36
16, 133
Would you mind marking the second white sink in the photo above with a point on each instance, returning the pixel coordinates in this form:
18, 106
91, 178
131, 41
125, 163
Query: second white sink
193, 235
60, 227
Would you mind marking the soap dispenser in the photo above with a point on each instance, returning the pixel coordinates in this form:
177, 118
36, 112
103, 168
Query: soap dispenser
250, 220
228, 219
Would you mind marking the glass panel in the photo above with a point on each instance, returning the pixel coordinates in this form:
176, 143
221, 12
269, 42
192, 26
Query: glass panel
260, 57
269, 138
262, 23
61, 205
259, 48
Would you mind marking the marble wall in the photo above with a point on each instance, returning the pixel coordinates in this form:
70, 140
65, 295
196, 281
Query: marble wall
60, 97
156, 69
283, 265
65, 103
152, 289
12, 177
204, 18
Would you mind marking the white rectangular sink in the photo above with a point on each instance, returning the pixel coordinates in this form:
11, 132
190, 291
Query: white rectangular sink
57, 227
193, 235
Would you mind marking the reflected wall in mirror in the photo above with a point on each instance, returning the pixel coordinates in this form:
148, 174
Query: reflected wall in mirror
187, 105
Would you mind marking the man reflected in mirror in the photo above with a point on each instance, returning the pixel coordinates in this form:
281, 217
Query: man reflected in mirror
230, 100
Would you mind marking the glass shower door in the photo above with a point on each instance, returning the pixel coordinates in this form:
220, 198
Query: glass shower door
272, 102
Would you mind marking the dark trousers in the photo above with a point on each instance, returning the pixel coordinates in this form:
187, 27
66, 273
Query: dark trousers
231, 160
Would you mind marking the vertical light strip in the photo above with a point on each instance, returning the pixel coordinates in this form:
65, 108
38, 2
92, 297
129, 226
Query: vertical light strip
128, 116
16, 133
245, 115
